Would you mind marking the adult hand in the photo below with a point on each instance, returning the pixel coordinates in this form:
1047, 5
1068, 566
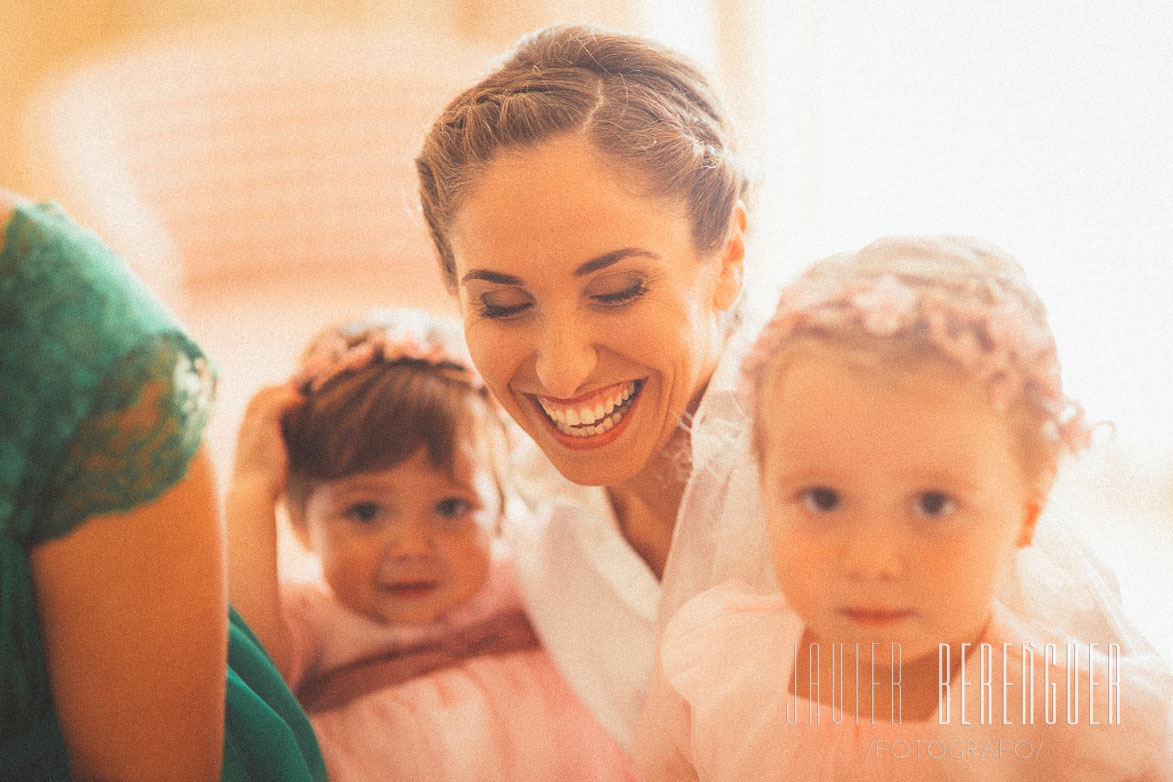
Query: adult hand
509, 632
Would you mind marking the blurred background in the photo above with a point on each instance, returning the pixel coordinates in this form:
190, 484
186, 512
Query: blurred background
252, 159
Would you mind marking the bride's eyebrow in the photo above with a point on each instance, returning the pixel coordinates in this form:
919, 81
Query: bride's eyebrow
491, 276
593, 265
613, 257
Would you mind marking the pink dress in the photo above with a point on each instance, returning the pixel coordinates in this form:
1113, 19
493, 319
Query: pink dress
495, 717
720, 709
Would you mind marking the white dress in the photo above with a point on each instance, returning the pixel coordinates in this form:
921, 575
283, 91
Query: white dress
723, 702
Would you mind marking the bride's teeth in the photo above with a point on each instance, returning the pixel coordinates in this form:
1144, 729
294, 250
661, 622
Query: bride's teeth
586, 421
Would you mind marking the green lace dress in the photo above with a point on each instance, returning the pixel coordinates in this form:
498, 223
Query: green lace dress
84, 350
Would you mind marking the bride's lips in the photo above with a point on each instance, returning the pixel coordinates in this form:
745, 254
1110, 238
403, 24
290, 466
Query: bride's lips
590, 420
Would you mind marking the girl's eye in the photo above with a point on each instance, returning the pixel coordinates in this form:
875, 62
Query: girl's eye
933, 505
819, 499
453, 507
364, 512
503, 304
629, 293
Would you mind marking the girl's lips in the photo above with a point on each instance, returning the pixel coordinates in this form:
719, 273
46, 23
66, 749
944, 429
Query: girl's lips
876, 617
411, 590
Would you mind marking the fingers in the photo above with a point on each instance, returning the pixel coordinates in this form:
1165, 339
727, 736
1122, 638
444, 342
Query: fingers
273, 402
260, 445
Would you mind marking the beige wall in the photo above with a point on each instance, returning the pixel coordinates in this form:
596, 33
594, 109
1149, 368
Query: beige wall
37, 38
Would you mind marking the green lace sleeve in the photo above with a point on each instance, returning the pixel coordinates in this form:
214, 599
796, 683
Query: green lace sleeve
103, 399
137, 440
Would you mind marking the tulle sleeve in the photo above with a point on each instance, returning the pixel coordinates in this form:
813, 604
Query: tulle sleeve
711, 655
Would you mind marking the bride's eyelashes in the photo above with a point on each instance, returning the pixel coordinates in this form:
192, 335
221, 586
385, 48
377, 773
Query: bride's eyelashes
510, 303
618, 298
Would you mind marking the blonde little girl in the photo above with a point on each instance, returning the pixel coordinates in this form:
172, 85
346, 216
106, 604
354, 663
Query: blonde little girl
390, 458
908, 423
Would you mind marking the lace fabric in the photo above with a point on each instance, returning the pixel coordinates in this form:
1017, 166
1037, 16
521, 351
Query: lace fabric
146, 422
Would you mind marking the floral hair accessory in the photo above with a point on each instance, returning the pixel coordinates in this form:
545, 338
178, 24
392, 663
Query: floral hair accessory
966, 300
391, 336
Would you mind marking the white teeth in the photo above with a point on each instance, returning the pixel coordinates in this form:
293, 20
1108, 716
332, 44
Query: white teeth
587, 421
550, 411
586, 431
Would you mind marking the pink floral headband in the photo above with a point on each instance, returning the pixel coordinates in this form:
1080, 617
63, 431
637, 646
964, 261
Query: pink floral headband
391, 336
1003, 345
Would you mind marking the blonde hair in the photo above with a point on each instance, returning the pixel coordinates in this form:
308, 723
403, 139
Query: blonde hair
952, 299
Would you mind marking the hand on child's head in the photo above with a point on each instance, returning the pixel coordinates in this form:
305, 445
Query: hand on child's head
394, 481
261, 455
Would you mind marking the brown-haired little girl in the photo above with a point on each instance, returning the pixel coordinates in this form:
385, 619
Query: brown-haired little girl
390, 456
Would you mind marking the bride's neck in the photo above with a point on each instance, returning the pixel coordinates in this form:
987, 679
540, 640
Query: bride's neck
646, 504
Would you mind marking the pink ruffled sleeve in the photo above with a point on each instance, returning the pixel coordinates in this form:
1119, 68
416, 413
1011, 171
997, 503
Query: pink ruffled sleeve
687, 669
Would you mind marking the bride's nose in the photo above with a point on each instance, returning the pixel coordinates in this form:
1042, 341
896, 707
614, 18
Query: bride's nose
566, 357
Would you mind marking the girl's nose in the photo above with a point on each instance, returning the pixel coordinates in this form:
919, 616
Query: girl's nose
566, 357
409, 539
874, 554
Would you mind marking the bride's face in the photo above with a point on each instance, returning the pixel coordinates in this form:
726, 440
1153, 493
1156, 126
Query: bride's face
587, 307
895, 499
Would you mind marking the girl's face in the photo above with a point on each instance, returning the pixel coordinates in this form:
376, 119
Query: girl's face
895, 500
587, 309
407, 544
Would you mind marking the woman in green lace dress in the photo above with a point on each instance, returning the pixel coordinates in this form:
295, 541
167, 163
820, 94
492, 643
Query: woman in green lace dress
113, 620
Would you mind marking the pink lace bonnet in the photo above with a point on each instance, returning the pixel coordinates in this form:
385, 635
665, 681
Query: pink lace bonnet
968, 300
398, 335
